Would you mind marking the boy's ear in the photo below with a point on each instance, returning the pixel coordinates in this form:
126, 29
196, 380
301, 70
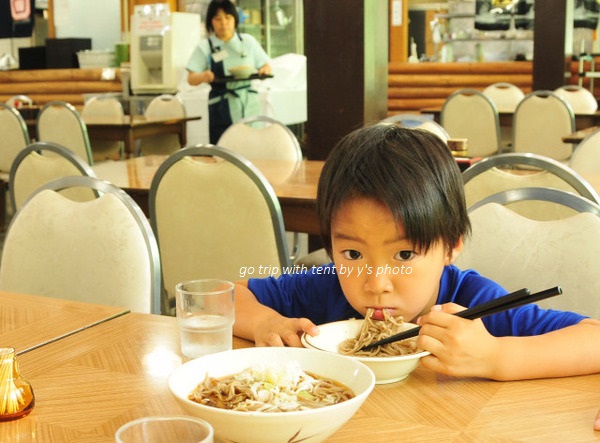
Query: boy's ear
454, 252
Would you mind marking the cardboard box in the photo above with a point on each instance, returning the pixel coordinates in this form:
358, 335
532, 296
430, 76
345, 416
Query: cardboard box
32, 58
62, 52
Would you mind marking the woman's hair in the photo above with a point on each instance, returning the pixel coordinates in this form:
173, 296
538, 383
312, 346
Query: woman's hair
227, 6
411, 171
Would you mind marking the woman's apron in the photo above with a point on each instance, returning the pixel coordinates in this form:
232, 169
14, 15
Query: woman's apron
219, 113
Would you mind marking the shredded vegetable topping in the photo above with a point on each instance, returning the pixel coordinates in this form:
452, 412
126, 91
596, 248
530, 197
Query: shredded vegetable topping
268, 388
373, 330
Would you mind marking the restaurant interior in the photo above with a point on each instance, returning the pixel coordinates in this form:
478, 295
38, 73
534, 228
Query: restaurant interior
104, 145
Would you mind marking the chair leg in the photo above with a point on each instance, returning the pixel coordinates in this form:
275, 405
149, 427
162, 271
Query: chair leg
3, 201
167, 304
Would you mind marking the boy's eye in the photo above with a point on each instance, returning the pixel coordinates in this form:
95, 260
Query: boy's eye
405, 255
352, 254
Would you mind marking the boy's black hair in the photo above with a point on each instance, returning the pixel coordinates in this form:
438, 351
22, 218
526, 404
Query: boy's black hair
227, 6
410, 171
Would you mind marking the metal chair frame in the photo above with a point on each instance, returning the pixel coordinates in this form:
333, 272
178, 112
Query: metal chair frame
248, 169
39, 147
101, 187
537, 161
70, 109
543, 149
496, 137
573, 201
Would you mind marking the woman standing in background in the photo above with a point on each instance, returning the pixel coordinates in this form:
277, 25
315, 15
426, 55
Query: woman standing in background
224, 49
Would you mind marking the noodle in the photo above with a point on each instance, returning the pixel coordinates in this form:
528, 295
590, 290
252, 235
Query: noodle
270, 390
373, 330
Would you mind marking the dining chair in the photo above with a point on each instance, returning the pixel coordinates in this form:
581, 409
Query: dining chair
18, 100
418, 121
558, 197
520, 170
40, 163
104, 109
101, 251
519, 252
161, 107
59, 122
214, 215
506, 96
265, 138
468, 113
261, 137
586, 155
540, 121
581, 99
13, 138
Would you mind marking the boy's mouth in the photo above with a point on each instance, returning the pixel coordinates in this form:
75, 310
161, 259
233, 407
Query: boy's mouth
378, 313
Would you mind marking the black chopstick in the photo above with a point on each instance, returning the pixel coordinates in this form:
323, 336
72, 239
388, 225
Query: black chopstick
509, 301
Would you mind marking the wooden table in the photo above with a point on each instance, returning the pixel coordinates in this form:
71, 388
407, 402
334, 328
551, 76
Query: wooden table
29, 321
136, 127
129, 130
294, 183
92, 382
578, 136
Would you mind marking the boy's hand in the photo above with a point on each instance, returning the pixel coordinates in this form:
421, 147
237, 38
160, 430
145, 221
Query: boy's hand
458, 346
283, 331
597, 422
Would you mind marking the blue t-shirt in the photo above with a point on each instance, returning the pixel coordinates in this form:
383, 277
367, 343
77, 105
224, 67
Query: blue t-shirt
317, 295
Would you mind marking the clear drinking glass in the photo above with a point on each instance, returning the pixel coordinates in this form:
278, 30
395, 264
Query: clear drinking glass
161, 429
205, 314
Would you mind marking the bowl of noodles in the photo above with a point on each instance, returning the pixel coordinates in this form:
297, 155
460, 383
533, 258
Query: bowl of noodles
272, 394
390, 363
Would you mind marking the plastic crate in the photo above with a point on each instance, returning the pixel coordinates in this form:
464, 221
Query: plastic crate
96, 58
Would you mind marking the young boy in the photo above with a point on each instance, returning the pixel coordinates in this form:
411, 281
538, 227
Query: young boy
393, 217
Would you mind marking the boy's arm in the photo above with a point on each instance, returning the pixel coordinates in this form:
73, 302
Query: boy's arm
265, 326
463, 347
565, 352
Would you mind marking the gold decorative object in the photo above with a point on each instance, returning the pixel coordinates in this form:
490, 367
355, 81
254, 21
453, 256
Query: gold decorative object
17, 394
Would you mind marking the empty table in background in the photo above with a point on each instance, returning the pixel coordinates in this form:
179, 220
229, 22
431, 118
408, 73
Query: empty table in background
294, 184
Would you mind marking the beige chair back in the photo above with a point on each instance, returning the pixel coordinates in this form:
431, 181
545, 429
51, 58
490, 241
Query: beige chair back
513, 171
586, 156
418, 121
40, 163
518, 252
214, 215
540, 121
101, 251
59, 122
262, 138
265, 138
505, 96
161, 107
104, 109
467, 113
581, 100
13, 138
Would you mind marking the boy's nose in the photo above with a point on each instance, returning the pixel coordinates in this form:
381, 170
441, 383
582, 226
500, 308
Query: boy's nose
378, 284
